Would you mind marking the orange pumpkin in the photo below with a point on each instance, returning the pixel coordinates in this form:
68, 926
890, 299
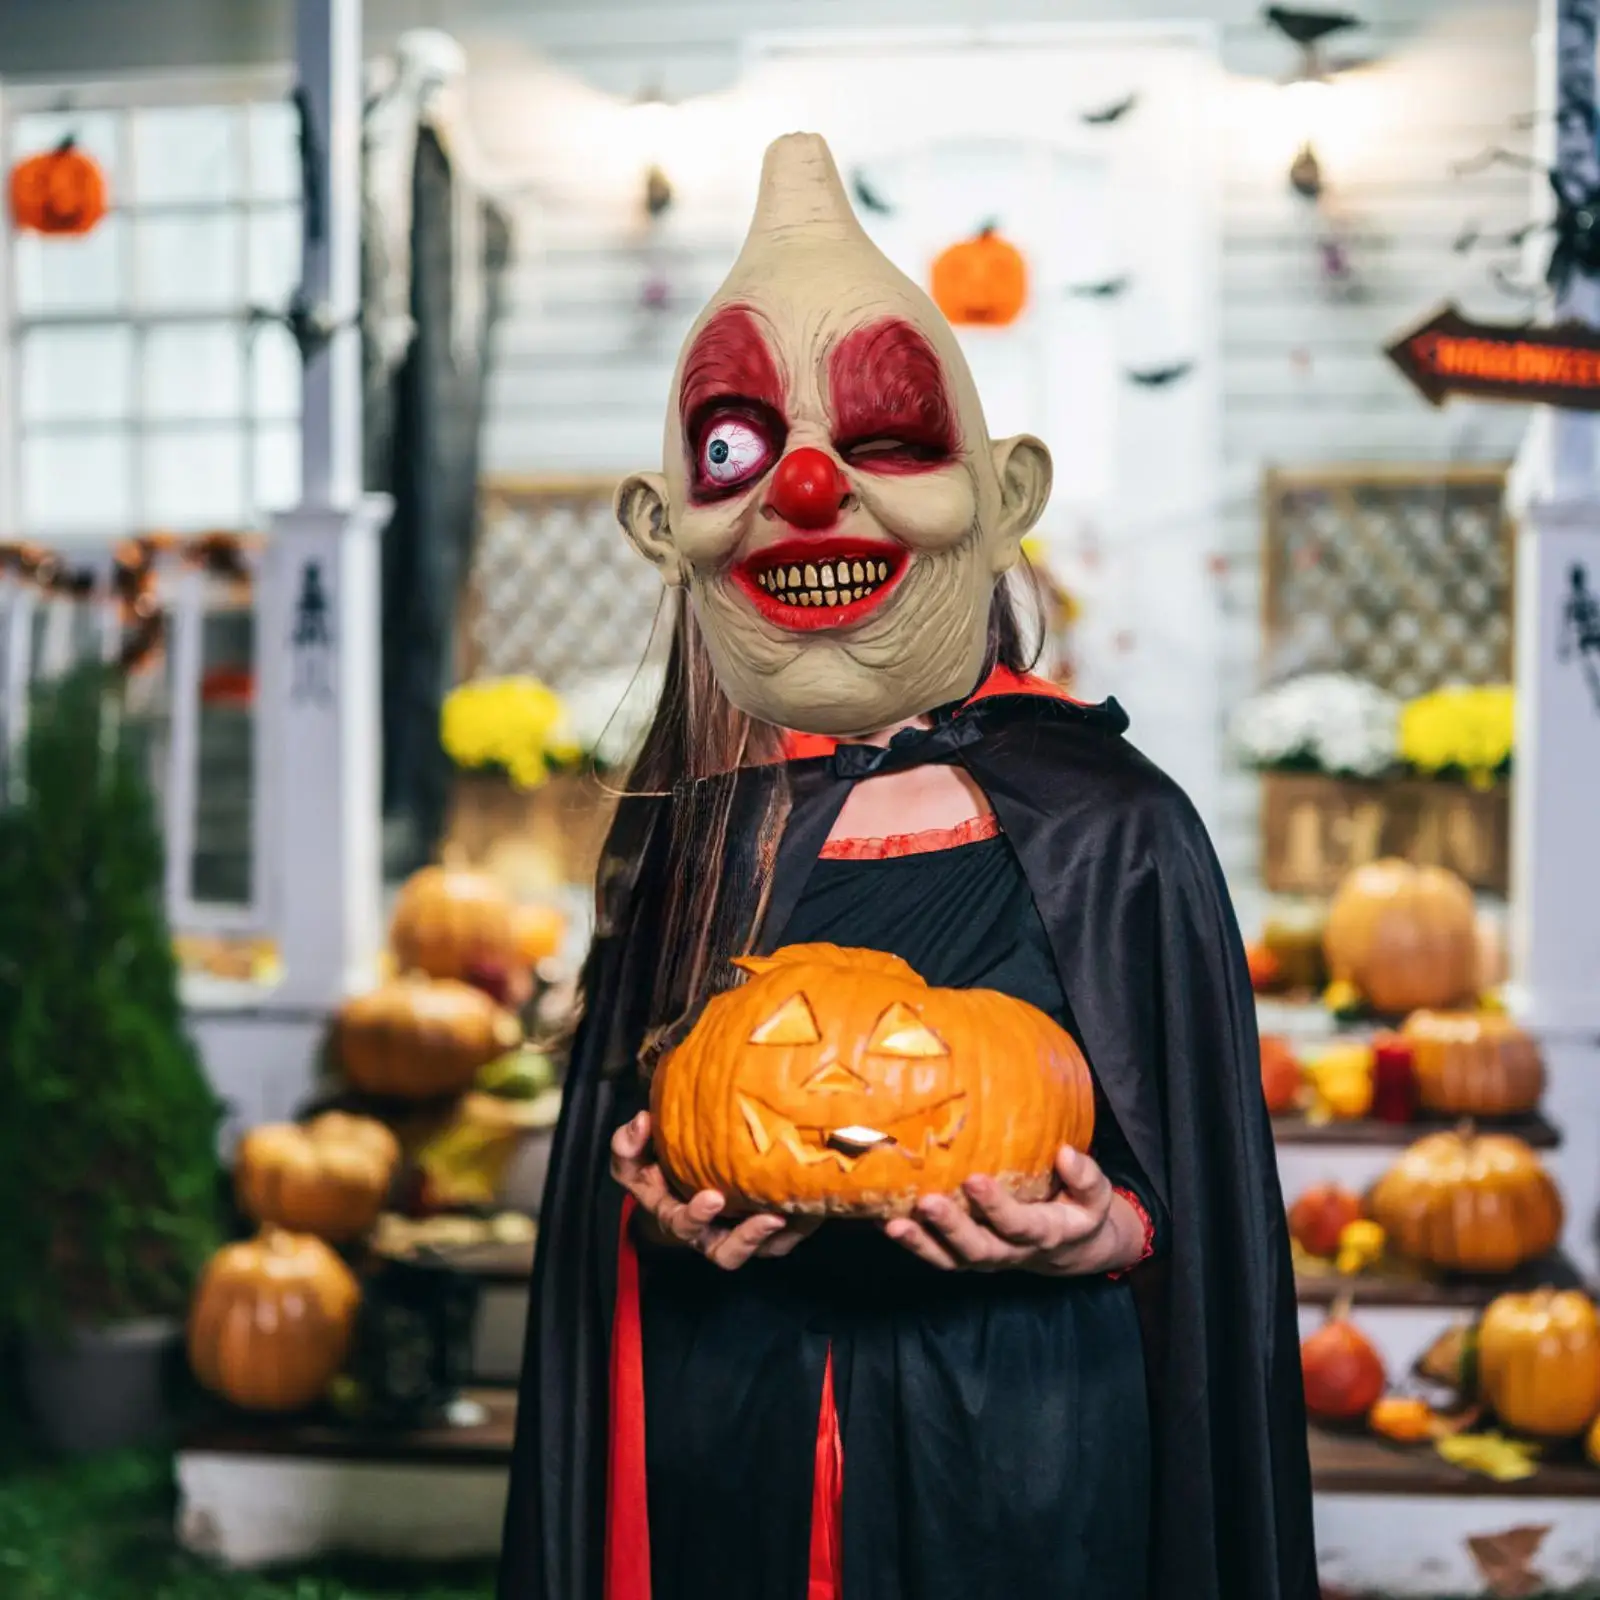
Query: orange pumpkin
1343, 1373
1405, 936
328, 1177
539, 931
1266, 970
1468, 1203
416, 1038
60, 191
837, 1081
271, 1321
1474, 1064
982, 280
1281, 1078
1404, 1418
453, 923
1539, 1362
1320, 1215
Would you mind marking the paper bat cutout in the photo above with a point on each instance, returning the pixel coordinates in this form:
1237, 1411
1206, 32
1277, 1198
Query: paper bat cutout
1161, 377
867, 197
1105, 289
1506, 1561
1109, 114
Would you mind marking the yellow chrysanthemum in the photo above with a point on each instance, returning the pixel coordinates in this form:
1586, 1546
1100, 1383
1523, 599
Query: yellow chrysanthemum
516, 724
1470, 729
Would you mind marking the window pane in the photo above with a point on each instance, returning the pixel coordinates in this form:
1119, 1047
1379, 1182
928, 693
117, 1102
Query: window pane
187, 153
189, 262
194, 479
274, 256
221, 870
75, 482
94, 131
277, 482
274, 151
71, 374
77, 274
275, 380
194, 372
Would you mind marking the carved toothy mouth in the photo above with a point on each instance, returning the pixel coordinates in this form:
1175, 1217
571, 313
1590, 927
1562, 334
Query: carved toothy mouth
914, 1137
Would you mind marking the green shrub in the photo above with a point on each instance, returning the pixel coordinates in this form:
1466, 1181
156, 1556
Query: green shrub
108, 1165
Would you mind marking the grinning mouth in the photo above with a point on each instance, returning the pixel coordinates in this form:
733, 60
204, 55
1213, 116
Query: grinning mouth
816, 583
914, 1137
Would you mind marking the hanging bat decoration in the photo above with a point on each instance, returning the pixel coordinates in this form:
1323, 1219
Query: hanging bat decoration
867, 197
1106, 115
1161, 377
1104, 289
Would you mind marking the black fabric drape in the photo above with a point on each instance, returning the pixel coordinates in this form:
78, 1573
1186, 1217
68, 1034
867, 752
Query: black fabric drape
423, 432
1150, 960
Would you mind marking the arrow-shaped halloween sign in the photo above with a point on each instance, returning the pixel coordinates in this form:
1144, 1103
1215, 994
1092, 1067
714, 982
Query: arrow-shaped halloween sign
1449, 355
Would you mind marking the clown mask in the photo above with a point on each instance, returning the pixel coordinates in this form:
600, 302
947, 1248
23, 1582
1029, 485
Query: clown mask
831, 498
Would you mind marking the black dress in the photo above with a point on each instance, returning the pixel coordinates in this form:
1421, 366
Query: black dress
1031, 1389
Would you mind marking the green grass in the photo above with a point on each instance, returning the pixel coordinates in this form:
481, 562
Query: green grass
102, 1530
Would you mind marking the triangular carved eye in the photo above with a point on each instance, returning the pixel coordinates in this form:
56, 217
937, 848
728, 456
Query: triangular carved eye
901, 1032
792, 1023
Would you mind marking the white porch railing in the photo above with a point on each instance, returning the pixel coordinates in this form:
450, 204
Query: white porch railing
148, 603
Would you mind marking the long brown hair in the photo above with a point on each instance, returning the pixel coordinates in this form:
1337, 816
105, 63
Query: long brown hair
718, 877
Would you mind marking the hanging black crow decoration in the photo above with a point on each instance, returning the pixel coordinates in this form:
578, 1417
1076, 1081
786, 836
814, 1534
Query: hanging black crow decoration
1160, 377
867, 197
1106, 115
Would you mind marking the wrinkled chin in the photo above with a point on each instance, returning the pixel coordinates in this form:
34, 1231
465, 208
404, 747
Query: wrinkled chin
922, 648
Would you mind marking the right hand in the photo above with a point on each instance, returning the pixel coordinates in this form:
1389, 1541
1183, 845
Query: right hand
694, 1222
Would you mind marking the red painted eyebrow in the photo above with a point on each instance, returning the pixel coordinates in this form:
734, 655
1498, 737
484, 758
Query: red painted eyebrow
730, 360
887, 382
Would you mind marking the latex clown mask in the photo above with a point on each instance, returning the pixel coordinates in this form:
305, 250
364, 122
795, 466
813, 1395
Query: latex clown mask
831, 498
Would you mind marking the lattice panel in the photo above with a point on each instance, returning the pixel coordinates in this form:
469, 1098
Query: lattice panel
1402, 576
556, 591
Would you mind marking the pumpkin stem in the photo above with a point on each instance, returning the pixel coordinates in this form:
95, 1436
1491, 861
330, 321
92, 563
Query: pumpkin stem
68, 144
1339, 1311
987, 230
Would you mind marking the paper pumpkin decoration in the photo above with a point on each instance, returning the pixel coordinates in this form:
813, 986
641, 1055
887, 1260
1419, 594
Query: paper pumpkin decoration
981, 281
59, 191
838, 1082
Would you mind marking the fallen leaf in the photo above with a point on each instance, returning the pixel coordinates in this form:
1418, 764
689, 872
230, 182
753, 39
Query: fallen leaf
1506, 1561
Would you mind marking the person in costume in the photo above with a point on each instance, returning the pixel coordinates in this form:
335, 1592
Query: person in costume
1095, 1396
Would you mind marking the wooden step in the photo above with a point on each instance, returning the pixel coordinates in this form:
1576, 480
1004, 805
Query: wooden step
1368, 1132
1444, 1291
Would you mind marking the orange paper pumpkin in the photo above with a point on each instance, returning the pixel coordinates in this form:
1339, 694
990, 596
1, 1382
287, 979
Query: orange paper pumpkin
838, 1082
981, 281
60, 191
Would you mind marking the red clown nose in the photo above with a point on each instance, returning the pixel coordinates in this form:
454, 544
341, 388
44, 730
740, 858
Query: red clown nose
808, 488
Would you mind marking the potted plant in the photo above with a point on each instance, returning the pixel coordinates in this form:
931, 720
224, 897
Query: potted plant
109, 1177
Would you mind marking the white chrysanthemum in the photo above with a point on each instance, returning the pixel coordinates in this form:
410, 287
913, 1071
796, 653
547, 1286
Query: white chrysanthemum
608, 712
1328, 720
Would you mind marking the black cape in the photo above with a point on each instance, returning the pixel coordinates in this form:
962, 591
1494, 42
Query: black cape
1150, 959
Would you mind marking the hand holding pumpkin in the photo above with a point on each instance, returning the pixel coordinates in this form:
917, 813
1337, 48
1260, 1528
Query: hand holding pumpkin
693, 1222
1086, 1228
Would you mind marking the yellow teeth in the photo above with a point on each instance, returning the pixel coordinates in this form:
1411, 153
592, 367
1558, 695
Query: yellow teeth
832, 584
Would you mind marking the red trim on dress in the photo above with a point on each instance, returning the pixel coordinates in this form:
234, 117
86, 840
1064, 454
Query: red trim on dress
627, 1571
923, 842
1149, 1231
826, 1576
803, 746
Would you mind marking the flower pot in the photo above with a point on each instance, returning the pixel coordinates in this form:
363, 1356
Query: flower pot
103, 1388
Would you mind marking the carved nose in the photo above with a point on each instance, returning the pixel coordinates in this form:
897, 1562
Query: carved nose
808, 488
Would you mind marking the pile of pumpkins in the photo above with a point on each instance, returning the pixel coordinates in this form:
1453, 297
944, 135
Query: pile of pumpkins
1397, 938
1531, 1363
273, 1316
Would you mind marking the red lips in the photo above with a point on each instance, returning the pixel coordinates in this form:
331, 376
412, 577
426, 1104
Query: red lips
807, 584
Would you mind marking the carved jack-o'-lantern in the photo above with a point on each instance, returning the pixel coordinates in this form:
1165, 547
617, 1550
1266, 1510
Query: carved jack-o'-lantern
837, 1081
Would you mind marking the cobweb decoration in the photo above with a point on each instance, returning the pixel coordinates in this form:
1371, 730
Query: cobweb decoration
1399, 576
555, 592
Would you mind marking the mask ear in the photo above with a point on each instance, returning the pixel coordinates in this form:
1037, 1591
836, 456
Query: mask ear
641, 507
1022, 464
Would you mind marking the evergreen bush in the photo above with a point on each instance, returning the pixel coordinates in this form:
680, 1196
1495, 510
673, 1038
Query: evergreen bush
109, 1176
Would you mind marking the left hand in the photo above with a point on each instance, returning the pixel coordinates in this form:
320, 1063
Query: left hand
1085, 1229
